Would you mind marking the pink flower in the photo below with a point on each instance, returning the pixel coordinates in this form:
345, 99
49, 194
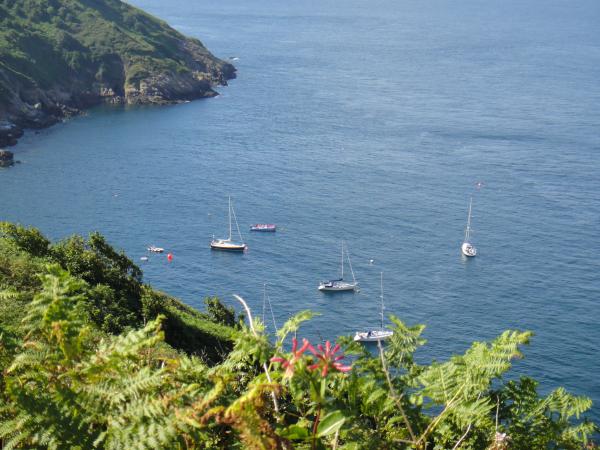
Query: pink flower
327, 360
288, 364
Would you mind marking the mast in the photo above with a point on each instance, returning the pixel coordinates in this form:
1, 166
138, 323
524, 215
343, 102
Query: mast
229, 211
264, 303
468, 229
342, 260
382, 300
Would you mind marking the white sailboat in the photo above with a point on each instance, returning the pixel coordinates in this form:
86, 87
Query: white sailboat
467, 248
375, 335
228, 244
340, 284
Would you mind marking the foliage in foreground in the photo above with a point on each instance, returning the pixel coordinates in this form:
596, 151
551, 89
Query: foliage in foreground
66, 386
115, 296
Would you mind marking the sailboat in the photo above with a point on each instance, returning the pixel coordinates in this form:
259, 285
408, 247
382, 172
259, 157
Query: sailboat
340, 284
375, 335
467, 248
228, 244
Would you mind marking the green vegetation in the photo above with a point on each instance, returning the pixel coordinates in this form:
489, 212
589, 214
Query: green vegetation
46, 41
116, 299
59, 56
72, 379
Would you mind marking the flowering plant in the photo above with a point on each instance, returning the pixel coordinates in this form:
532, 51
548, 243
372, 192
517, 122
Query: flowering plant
289, 364
327, 361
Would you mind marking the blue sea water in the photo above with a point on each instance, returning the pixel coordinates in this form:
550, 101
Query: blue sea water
368, 122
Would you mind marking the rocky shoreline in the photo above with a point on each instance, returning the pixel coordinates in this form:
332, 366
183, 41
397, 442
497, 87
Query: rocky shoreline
53, 107
71, 57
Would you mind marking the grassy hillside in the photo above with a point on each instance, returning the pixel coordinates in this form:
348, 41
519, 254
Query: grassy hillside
58, 56
117, 299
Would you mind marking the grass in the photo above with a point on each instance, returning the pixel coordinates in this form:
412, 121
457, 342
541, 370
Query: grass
59, 43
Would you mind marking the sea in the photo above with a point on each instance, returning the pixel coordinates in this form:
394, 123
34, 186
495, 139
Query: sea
373, 124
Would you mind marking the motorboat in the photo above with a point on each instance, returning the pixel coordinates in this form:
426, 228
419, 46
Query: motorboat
154, 249
264, 227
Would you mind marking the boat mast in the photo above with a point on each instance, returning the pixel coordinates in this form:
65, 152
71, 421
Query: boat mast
342, 260
264, 303
468, 229
382, 300
229, 218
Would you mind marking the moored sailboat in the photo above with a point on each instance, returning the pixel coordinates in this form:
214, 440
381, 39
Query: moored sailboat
375, 335
467, 248
339, 285
228, 244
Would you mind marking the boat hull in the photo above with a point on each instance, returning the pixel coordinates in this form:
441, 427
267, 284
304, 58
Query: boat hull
338, 288
228, 247
468, 250
263, 228
373, 336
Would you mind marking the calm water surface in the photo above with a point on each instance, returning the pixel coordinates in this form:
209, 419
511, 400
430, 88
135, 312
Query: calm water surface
369, 123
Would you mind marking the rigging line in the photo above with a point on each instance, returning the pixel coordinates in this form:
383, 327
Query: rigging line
272, 314
320, 336
237, 225
229, 211
342, 277
350, 264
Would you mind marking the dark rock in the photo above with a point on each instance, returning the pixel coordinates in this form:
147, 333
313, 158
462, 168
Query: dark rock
9, 133
6, 158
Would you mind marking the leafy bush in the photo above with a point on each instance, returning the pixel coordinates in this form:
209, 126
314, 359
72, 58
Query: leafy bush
116, 298
69, 387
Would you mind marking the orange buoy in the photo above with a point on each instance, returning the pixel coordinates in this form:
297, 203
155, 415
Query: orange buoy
170, 257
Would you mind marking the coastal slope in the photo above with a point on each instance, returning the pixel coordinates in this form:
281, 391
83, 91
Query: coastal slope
58, 57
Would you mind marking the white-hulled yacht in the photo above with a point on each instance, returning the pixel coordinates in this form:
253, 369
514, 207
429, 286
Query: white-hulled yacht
467, 248
339, 285
375, 335
228, 244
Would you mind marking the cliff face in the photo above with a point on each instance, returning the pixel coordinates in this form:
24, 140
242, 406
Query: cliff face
58, 57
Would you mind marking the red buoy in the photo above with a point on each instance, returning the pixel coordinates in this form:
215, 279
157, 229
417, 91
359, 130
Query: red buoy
170, 257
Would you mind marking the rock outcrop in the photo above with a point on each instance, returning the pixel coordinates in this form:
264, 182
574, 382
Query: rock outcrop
61, 58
